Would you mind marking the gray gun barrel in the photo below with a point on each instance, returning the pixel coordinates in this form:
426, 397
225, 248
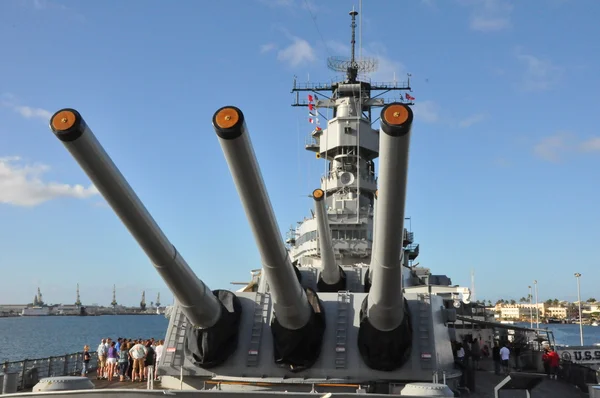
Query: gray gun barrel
197, 301
291, 306
330, 272
386, 305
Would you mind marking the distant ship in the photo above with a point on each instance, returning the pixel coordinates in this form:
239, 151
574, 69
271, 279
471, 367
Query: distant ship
36, 311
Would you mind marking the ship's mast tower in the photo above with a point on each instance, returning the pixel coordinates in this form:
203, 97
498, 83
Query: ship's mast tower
143, 302
78, 301
114, 298
39, 297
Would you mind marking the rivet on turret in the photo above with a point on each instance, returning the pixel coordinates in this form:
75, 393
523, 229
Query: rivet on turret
396, 114
227, 117
64, 120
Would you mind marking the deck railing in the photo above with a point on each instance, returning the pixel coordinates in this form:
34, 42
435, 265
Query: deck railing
30, 371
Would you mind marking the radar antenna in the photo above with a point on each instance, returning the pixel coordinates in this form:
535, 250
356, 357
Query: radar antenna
352, 66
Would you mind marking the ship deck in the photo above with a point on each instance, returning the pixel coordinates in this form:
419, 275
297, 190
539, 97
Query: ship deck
485, 381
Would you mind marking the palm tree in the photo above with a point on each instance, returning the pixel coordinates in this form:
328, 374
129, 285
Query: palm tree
513, 302
522, 300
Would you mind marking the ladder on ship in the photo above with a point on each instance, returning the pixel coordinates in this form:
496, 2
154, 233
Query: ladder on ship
261, 312
341, 330
174, 355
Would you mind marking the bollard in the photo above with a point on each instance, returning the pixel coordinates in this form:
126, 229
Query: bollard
11, 382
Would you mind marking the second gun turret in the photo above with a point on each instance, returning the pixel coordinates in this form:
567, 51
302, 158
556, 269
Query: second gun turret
385, 334
299, 323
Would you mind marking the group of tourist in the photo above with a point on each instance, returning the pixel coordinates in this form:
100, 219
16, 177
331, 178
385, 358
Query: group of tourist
127, 359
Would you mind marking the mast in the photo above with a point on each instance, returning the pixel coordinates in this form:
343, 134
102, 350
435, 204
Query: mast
349, 145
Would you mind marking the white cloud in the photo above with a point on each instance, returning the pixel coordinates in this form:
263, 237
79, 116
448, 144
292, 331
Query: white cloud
427, 111
22, 185
48, 6
277, 3
489, 15
590, 145
297, 53
502, 162
304, 4
556, 147
8, 101
550, 148
265, 48
471, 120
540, 74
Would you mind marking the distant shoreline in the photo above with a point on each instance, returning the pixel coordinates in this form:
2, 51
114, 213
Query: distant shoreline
37, 316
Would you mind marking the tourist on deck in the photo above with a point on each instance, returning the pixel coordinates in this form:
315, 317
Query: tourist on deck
505, 357
159, 351
138, 353
149, 361
111, 360
86, 360
546, 362
130, 367
496, 358
123, 361
476, 354
554, 362
101, 351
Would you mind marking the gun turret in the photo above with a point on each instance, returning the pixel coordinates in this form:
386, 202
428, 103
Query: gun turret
332, 277
214, 316
385, 333
299, 322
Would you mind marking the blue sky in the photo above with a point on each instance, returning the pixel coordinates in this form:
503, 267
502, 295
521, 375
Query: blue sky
504, 159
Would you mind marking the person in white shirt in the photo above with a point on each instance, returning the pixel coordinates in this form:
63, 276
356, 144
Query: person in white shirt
138, 353
505, 356
159, 351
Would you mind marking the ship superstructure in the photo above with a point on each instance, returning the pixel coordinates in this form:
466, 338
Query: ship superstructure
350, 145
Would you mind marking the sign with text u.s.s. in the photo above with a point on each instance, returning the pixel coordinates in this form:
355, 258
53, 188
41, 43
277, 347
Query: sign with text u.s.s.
588, 355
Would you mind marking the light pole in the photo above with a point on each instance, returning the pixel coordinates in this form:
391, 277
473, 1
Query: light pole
577, 276
537, 308
530, 309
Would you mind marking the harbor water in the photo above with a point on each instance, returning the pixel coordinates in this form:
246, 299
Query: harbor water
44, 336
39, 337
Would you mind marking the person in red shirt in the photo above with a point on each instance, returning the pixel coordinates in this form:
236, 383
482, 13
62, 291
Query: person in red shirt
553, 362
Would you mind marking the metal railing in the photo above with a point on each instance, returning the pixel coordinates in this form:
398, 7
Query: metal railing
30, 371
578, 375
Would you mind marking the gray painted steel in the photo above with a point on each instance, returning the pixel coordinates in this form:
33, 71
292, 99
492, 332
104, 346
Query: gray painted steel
196, 299
330, 271
386, 309
204, 393
289, 299
431, 352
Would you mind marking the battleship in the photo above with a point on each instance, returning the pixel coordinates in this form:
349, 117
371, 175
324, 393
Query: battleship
337, 306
